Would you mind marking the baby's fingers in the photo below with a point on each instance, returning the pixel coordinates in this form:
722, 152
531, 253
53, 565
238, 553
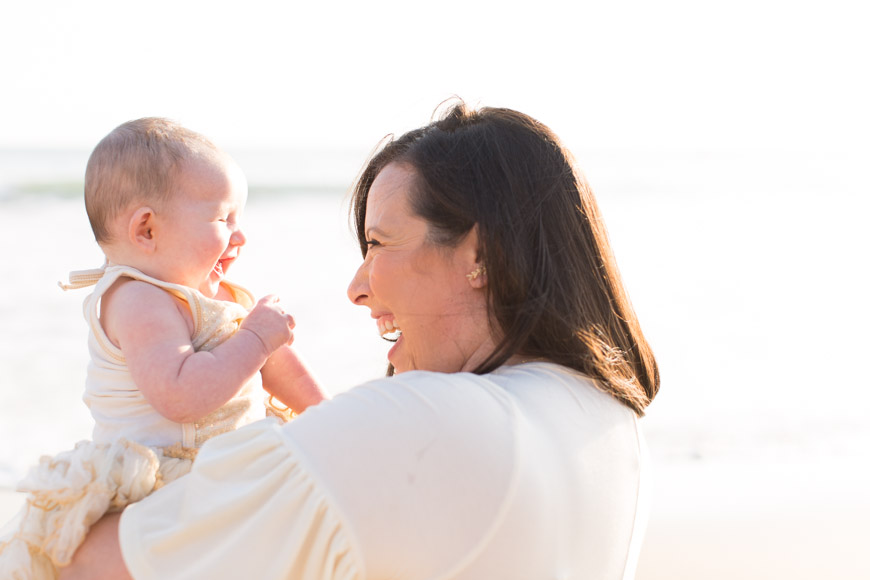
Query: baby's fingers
269, 300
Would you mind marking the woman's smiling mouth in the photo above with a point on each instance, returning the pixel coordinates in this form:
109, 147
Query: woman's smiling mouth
389, 329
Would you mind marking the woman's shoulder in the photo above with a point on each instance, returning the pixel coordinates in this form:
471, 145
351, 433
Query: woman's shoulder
565, 388
447, 385
414, 403
417, 398
458, 421
421, 388
391, 451
417, 422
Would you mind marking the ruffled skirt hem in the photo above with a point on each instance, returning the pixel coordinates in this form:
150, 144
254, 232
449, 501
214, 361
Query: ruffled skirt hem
68, 493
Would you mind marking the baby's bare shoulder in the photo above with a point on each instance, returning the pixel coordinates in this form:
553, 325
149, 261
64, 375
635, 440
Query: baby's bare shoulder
134, 301
129, 291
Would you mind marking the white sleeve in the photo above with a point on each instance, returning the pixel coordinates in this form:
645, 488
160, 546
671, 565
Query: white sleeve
248, 509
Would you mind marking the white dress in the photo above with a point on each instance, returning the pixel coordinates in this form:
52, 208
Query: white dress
134, 450
528, 472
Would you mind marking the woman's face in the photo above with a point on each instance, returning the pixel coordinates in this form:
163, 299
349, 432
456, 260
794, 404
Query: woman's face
418, 288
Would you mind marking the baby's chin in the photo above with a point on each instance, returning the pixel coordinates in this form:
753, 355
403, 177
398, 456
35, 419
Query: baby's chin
211, 288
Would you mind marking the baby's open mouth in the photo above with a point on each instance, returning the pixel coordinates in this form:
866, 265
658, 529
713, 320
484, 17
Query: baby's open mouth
219, 266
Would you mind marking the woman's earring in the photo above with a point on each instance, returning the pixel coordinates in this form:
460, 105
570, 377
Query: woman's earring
475, 273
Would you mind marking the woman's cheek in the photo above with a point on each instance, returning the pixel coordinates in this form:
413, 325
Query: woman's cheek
379, 276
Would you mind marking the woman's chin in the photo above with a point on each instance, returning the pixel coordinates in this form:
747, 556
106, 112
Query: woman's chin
395, 357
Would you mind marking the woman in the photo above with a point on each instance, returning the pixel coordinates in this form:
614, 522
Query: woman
512, 452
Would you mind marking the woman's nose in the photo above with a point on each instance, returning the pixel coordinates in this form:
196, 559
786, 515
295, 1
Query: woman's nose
358, 290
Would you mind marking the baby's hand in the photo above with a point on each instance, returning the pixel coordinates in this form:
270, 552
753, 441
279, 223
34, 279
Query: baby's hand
270, 323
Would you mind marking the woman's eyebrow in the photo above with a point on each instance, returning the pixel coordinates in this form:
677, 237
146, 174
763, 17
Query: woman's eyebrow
376, 231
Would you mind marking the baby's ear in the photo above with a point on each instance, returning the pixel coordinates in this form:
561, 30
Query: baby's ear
140, 229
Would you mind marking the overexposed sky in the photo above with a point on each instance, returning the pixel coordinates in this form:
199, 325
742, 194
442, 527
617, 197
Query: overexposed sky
681, 75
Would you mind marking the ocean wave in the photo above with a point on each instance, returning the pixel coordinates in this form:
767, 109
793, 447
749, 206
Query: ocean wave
75, 189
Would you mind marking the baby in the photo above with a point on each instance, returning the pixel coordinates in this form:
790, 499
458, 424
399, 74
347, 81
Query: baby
174, 346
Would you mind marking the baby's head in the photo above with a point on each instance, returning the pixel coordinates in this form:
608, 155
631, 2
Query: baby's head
138, 163
163, 199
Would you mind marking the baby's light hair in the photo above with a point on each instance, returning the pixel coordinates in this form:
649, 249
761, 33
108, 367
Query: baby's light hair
138, 162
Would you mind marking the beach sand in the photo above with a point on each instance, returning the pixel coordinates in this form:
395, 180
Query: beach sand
760, 520
766, 545
754, 522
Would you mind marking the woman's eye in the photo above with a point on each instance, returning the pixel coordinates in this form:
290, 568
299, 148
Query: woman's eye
370, 244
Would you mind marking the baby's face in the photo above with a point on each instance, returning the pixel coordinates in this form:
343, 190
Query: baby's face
198, 234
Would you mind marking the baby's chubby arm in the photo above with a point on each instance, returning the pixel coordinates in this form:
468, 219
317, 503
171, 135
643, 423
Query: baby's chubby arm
287, 378
183, 385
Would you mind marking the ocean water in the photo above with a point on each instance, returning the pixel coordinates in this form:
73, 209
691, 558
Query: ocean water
747, 270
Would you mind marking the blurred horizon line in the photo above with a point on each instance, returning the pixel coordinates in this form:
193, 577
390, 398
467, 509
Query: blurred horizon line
60, 170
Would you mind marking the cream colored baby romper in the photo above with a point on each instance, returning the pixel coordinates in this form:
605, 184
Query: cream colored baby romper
134, 450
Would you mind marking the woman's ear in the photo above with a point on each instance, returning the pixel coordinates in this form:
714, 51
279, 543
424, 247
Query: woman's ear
470, 247
141, 229
477, 277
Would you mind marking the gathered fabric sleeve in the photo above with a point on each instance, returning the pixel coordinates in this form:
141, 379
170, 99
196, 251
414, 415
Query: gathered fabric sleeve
249, 507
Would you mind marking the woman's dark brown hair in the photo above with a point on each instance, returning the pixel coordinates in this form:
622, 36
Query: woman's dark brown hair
553, 289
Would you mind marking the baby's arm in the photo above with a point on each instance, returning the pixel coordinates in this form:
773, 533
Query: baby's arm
287, 378
183, 385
